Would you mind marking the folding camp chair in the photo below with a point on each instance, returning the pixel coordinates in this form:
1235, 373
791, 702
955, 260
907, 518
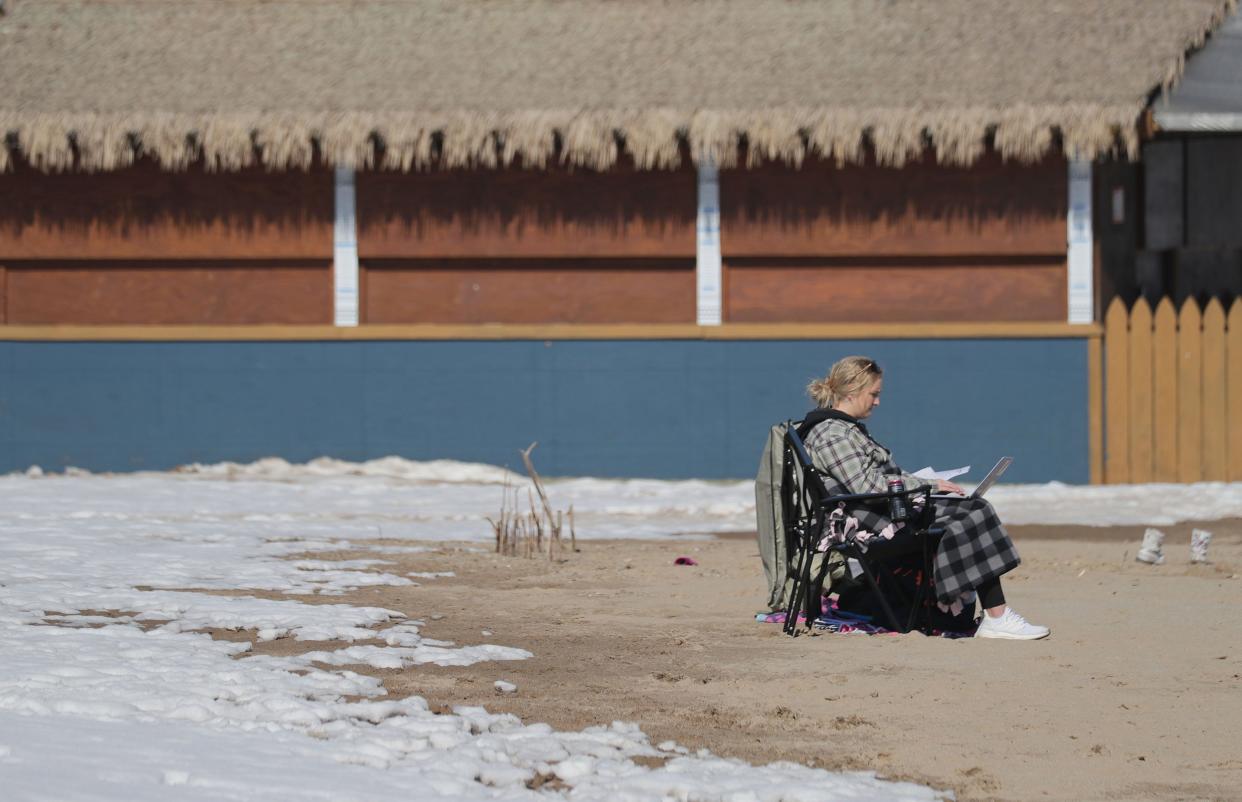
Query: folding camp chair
808, 517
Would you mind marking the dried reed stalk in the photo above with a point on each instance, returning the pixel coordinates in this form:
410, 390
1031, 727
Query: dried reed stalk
532, 533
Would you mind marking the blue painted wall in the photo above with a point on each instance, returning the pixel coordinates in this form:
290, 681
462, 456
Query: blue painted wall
685, 408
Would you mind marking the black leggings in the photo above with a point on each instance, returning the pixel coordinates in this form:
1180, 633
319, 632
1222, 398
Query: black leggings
991, 594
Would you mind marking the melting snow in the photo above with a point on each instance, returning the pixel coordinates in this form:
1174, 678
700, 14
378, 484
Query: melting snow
108, 691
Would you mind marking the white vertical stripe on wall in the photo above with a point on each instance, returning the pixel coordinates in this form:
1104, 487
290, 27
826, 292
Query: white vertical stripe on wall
1081, 255
707, 254
345, 252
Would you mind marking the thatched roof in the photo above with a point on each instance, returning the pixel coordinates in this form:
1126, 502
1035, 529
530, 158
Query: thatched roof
482, 82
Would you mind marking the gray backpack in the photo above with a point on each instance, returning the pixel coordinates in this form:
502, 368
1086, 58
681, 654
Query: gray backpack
775, 491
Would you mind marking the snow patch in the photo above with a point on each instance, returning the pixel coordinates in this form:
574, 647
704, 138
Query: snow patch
123, 571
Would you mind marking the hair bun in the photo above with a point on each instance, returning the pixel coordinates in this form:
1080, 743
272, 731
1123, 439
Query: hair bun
848, 375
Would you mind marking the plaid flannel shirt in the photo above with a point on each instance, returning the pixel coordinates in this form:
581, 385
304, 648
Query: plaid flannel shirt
974, 548
858, 463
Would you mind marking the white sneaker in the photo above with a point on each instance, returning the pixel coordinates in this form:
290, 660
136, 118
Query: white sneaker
1010, 626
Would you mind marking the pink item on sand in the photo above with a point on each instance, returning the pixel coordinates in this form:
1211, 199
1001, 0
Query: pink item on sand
685, 561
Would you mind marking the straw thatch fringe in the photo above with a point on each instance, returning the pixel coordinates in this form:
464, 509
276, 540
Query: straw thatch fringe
530, 139
838, 136
452, 83
404, 142
654, 139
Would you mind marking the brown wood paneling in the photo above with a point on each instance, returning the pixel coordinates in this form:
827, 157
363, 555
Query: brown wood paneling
991, 207
856, 290
531, 291
4, 295
527, 213
190, 293
143, 212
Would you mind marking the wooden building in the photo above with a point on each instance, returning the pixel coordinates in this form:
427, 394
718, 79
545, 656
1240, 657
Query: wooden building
743, 183
1192, 172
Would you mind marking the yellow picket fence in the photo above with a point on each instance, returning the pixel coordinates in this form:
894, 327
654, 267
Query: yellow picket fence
1172, 392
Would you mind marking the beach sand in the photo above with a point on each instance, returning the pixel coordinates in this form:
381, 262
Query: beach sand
1136, 695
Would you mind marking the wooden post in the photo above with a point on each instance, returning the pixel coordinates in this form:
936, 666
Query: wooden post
1140, 392
1095, 409
1116, 383
1215, 430
1190, 394
1164, 384
4, 295
1233, 391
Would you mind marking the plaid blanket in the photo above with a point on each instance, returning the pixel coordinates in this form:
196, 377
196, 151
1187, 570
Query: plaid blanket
974, 549
975, 546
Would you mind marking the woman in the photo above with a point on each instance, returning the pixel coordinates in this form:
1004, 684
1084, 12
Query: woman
975, 549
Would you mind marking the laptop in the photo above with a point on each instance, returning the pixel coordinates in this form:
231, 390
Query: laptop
999, 468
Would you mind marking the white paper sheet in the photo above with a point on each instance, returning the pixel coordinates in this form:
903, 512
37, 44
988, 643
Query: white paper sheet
931, 473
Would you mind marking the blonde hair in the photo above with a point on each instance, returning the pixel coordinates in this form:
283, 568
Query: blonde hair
848, 376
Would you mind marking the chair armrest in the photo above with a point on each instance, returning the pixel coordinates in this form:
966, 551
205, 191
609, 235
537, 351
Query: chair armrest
921, 517
921, 490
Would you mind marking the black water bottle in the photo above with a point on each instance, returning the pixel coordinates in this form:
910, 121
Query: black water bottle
897, 511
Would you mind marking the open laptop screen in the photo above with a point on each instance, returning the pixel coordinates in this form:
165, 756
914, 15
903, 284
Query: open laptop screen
999, 468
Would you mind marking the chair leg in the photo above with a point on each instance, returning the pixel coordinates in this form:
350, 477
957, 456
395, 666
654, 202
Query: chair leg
799, 589
914, 611
889, 615
921, 611
815, 588
795, 596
